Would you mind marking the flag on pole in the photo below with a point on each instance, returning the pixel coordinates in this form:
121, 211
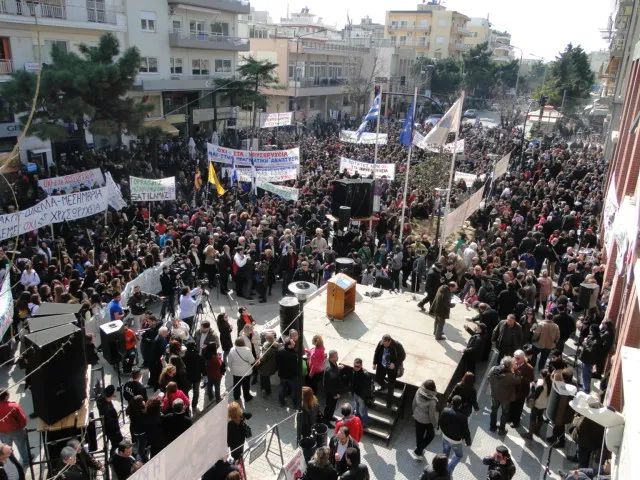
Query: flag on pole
234, 174
373, 113
197, 183
213, 178
449, 123
254, 178
406, 134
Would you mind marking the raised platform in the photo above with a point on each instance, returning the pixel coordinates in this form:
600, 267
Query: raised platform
398, 315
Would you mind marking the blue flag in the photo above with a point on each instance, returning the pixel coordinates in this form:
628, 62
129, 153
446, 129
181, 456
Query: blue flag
406, 134
373, 113
234, 174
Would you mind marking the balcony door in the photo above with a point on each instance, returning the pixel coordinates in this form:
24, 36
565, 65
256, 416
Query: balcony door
96, 11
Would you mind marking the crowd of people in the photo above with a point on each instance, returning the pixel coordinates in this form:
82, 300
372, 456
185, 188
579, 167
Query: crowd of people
518, 268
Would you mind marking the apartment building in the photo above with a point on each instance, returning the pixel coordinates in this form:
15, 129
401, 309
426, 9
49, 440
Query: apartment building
66, 23
430, 31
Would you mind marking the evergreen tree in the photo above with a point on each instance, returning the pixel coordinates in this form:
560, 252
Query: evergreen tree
259, 75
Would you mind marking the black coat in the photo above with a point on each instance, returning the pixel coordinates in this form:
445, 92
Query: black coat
195, 366
236, 435
340, 466
224, 328
16, 464
397, 354
318, 473
433, 282
174, 425
287, 363
332, 379
109, 414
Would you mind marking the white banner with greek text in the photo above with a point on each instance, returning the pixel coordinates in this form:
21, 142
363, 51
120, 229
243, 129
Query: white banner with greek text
367, 138
152, 190
365, 169
54, 209
271, 175
246, 158
288, 193
89, 179
271, 120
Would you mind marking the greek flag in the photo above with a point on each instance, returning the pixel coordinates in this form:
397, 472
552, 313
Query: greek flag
373, 113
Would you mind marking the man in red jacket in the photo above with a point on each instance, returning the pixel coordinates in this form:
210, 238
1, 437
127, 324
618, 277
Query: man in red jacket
351, 421
12, 423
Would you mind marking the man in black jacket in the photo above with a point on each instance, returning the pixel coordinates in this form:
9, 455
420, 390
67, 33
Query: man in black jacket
195, 365
134, 387
434, 280
489, 317
566, 324
175, 423
356, 470
168, 291
109, 415
287, 363
454, 426
387, 359
7, 456
501, 462
332, 385
475, 347
147, 337
361, 388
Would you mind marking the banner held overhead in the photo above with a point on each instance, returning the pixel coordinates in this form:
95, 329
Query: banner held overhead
248, 158
152, 190
365, 169
271, 120
88, 179
366, 138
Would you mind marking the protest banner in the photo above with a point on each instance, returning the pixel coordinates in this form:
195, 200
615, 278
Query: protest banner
271, 120
501, 167
366, 138
457, 217
365, 169
271, 175
448, 148
468, 178
611, 207
296, 467
259, 159
288, 193
152, 190
115, 195
88, 179
6, 303
54, 209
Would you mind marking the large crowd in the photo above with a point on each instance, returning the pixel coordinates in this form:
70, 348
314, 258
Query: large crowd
518, 267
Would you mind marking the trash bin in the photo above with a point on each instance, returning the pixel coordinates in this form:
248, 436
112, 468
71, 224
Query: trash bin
321, 432
308, 446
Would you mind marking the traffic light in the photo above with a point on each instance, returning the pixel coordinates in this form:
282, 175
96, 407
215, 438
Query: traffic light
376, 90
543, 100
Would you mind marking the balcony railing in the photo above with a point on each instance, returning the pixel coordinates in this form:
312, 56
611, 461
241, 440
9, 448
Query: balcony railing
307, 82
213, 41
6, 67
410, 26
334, 47
90, 11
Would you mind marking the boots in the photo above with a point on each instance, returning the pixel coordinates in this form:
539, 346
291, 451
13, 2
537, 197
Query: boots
534, 429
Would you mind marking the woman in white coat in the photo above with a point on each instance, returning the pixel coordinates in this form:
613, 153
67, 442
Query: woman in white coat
240, 364
251, 340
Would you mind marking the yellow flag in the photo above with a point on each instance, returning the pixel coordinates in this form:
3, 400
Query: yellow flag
213, 178
198, 180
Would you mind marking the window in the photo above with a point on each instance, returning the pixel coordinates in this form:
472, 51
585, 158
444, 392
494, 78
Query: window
63, 45
223, 66
403, 24
149, 65
312, 103
422, 41
292, 70
148, 21
196, 27
439, 40
403, 40
200, 67
176, 26
393, 39
220, 28
175, 65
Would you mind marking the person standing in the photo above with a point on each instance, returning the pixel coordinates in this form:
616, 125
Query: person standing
134, 387
137, 304
501, 462
355, 469
109, 415
123, 462
387, 359
12, 426
115, 308
213, 370
507, 337
332, 386
441, 308
540, 396
320, 467
309, 411
425, 414
437, 470
240, 365
545, 338
157, 350
350, 420
195, 366
475, 347
317, 357
361, 388
525, 371
503, 383
338, 446
266, 364
225, 328
454, 426
205, 336
287, 363
237, 430
433, 283
468, 393
189, 301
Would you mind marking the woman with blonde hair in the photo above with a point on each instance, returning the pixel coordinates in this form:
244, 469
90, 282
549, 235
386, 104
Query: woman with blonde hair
168, 375
320, 467
237, 429
316, 358
309, 412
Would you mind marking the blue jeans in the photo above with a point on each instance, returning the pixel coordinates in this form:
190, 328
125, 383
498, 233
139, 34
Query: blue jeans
587, 373
361, 409
292, 385
457, 453
19, 437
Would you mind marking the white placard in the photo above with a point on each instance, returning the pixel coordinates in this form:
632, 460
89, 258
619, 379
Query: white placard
288, 193
456, 218
54, 209
89, 178
502, 166
367, 138
271, 120
271, 175
246, 158
296, 467
152, 190
468, 178
448, 148
365, 169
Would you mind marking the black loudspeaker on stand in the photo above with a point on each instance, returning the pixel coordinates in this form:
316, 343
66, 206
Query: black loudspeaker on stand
112, 341
344, 217
588, 295
58, 386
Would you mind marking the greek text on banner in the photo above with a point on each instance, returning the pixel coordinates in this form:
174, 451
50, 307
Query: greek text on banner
152, 190
270, 120
90, 179
54, 209
365, 169
366, 138
272, 175
244, 158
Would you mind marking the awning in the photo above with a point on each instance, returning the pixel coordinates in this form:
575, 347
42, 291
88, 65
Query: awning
163, 125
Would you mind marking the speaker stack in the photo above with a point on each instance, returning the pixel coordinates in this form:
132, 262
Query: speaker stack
588, 295
112, 341
357, 194
289, 310
58, 386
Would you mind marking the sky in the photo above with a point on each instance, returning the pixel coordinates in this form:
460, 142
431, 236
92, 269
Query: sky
541, 28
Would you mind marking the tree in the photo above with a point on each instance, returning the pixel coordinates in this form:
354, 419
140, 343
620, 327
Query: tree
235, 90
479, 71
570, 72
362, 71
536, 78
259, 75
446, 78
88, 90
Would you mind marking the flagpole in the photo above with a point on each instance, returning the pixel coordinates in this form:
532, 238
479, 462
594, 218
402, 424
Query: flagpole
406, 176
375, 162
451, 173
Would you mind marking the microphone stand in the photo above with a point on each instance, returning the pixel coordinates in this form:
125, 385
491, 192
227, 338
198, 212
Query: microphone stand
547, 470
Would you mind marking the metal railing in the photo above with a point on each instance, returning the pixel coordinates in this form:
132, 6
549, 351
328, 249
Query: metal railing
6, 67
307, 82
412, 26
90, 11
335, 47
208, 37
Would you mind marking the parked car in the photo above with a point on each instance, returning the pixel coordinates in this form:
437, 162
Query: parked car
433, 119
471, 113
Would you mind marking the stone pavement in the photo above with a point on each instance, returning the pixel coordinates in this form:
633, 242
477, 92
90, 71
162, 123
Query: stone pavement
385, 462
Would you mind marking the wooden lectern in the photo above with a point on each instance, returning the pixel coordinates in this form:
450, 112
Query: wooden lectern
341, 296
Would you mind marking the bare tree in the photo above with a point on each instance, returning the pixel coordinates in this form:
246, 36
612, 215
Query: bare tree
360, 79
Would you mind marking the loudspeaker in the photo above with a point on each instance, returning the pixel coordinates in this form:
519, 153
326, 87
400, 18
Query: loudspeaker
112, 341
344, 217
588, 295
289, 310
357, 194
58, 386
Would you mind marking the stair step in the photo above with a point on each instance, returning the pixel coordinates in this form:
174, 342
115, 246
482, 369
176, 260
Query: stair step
397, 393
381, 404
379, 431
382, 417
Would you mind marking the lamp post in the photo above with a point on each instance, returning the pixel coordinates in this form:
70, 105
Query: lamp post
302, 291
295, 87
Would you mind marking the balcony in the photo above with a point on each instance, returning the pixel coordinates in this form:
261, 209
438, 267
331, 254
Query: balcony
182, 82
232, 6
52, 11
207, 41
322, 47
462, 47
464, 32
6, 67
308, 86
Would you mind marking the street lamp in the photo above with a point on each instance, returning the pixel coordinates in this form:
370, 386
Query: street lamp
295, 87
